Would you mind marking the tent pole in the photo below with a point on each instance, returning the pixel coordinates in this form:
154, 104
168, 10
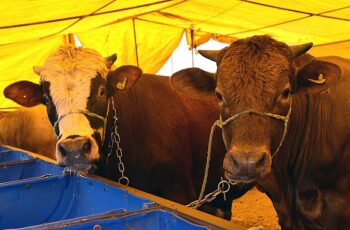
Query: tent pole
135, 41
192, 47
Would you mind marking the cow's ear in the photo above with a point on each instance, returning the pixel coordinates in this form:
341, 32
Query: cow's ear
317, 76
25, 93
193, 82
122, 79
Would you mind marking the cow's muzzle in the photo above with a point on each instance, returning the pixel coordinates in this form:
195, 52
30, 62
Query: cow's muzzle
247, 166
74, 152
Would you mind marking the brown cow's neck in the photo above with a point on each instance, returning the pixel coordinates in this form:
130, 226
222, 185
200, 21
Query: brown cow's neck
301, 161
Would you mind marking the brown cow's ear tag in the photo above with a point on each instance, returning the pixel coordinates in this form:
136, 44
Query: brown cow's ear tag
316, 76
319, 80
122, 84
122, 79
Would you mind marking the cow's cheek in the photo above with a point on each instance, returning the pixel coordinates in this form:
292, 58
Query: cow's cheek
94, 153
59, 157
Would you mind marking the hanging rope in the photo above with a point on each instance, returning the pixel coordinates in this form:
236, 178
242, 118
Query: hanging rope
206, 172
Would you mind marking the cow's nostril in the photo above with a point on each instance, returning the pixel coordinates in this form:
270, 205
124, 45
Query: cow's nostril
262, 161
62, 150
87, 146
234, 161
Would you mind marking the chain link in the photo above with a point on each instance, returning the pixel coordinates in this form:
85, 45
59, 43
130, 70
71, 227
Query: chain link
223, 187
115, 139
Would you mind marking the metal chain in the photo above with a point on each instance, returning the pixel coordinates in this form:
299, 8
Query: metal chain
115, 139
223, 187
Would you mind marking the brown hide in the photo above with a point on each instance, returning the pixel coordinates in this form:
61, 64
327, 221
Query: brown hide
316, 156
29, 129
164, 138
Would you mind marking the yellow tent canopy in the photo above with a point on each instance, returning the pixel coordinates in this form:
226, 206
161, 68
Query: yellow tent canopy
146, 32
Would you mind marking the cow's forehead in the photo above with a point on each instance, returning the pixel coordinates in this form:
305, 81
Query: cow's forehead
254, 57
252, 80
244, 69
70, 61
239, 68
69, 72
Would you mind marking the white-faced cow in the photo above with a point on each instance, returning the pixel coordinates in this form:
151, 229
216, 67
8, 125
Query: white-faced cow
285, 119
28, 129
163, 135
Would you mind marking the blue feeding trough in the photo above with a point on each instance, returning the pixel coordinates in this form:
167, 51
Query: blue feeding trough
59, 198
19, 170
146, 220
36, 194
10, 155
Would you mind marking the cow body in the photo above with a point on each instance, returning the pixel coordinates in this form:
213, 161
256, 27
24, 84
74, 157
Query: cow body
163, 135
28, 129
262, 84
164, 138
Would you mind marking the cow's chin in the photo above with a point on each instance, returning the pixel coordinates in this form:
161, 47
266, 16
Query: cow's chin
244, 178
233, 179
78, 168
88, 168
82, 165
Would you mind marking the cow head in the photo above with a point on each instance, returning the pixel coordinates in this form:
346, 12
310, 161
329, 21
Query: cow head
253, 85
75, 85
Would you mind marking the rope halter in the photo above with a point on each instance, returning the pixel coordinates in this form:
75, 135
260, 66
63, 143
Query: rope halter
220, 123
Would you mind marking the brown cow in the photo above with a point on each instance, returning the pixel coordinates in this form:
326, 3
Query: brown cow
163, 135
28, 129
286, 125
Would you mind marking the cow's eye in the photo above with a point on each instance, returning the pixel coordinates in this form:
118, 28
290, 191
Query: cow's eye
286, 93
101, 92
46, 100
218, 96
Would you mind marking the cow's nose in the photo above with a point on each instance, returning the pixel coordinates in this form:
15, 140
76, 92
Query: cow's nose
241, 165
75, 146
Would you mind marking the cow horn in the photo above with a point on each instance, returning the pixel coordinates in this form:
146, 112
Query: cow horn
210, 54
37, 69
110, 60
298, 50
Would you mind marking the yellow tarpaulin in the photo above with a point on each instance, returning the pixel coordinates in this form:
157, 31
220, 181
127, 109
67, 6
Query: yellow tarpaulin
145, 32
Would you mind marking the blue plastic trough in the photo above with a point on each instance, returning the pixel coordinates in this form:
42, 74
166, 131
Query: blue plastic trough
19, 170
8, 155
148, 220
36, 194
60, 198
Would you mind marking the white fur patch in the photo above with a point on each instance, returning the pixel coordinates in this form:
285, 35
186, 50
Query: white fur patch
78, 124
69, 72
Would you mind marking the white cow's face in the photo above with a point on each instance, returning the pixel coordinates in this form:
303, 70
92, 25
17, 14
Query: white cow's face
73, 82
75, 85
